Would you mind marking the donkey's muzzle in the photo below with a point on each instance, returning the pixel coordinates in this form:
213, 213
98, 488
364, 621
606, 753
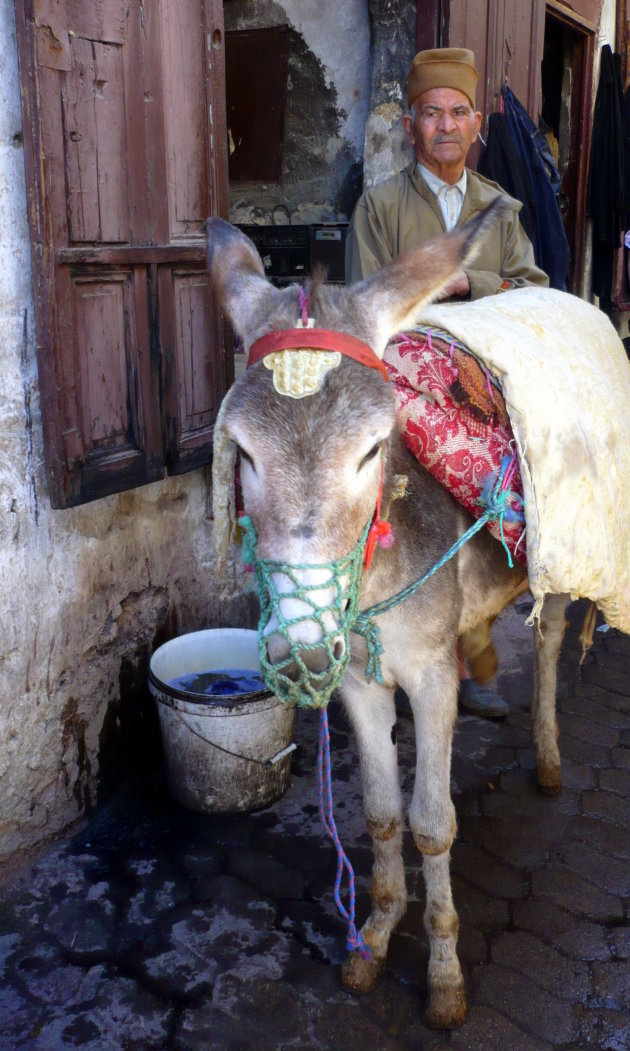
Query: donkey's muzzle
306, 614
315, 659
303, 673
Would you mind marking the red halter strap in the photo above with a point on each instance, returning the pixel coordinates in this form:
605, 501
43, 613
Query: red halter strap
316, 339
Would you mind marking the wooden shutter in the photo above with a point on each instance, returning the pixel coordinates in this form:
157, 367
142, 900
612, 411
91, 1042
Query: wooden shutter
125, 151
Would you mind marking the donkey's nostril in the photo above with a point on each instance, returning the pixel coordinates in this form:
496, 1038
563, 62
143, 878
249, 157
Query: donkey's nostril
278, 649
339, 648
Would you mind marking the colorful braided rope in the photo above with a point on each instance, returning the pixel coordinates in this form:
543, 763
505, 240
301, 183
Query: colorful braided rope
354, 940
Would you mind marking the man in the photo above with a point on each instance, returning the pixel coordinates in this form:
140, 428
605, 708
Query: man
433, 195
437, 192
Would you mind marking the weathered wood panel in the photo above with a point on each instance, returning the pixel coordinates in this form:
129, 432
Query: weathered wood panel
77, 93
192, 377
96, 142
185, 102
105, 321
111, 139
96, 19
196, 398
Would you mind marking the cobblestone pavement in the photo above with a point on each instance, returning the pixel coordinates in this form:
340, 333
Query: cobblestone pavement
157, 928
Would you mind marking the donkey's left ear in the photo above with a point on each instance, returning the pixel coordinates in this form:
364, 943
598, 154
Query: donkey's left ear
238, 277
390, 300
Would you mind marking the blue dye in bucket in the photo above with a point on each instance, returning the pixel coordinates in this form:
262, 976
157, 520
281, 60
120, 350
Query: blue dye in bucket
219, 682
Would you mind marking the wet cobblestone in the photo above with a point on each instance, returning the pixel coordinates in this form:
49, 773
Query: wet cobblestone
154, 928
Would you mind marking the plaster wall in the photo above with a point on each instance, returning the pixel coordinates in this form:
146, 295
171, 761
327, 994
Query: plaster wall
86, 592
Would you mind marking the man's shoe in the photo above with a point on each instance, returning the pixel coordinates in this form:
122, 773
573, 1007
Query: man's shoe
477, 700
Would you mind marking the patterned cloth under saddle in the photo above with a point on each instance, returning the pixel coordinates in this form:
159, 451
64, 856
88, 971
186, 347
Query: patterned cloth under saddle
454, 421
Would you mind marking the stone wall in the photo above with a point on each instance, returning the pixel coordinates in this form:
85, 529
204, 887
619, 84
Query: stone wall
393, 32
87, 592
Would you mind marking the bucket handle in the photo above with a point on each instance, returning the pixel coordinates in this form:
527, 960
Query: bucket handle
248, 759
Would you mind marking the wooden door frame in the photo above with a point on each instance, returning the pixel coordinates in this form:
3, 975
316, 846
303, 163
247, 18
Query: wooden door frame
588, 31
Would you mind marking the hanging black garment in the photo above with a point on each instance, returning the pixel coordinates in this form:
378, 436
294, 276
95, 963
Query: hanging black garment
625, 218
517, 157
606, 178
500, 161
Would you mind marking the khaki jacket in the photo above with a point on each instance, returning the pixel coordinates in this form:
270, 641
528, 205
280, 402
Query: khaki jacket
402, 212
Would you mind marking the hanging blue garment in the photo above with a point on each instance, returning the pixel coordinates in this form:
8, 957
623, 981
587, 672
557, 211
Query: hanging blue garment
518, 158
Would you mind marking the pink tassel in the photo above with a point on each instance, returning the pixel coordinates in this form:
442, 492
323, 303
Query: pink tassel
384, 535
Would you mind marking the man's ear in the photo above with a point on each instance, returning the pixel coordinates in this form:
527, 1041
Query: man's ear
407, 122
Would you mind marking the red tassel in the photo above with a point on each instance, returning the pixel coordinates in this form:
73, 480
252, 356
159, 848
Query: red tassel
384, 535
380, 533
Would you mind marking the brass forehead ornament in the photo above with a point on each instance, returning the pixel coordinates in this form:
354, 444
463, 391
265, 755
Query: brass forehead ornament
301, 372
301, 357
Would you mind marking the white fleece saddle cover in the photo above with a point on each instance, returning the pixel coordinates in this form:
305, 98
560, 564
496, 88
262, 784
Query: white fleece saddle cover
566, 383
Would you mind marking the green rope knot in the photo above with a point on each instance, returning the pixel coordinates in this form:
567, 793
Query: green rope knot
371, 633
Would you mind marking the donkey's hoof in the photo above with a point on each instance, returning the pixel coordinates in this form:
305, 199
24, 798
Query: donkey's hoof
446, 1008
549, 779
359, 975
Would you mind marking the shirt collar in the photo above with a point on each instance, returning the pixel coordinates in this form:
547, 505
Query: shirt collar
436, 184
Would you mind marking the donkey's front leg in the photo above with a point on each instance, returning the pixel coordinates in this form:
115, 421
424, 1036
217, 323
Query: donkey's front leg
432, 819
373, 716
548, 642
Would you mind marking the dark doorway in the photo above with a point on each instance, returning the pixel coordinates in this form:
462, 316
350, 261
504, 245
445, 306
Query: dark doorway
566, 76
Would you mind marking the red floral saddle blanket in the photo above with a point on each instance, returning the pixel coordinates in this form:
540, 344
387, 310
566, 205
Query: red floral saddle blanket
454, 421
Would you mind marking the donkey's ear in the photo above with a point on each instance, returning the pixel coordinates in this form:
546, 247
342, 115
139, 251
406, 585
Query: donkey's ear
391, 299
238, 277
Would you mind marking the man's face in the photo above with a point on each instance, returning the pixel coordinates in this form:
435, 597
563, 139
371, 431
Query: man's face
442, 128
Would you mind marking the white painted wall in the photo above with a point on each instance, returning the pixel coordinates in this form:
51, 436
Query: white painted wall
82, 589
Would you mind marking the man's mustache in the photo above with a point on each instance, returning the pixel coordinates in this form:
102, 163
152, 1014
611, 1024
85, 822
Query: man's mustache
439, 139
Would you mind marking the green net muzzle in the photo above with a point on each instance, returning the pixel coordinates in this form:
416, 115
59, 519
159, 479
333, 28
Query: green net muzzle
290, 678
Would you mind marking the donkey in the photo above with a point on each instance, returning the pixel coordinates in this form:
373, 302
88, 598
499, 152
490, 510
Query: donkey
311, 470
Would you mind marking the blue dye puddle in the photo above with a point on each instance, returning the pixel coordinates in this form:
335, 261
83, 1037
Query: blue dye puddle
220, 682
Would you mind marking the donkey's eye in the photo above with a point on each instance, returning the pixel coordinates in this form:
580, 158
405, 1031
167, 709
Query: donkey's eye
245, 457
374, 451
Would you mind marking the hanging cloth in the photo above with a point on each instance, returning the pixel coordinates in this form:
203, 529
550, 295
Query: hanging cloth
517, 157
606, 178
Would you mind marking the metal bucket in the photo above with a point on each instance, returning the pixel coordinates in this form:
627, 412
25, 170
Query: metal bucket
223, 754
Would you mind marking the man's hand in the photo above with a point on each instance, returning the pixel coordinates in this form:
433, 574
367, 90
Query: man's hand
459, 286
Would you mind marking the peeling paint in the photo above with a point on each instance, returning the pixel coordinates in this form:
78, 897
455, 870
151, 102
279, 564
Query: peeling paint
327, 104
